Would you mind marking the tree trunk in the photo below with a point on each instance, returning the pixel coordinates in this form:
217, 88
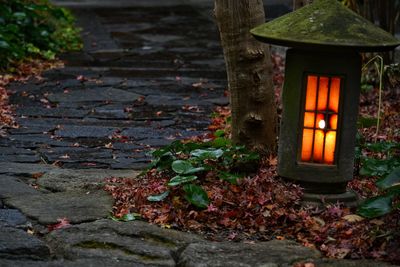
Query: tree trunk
300, 3
249, 71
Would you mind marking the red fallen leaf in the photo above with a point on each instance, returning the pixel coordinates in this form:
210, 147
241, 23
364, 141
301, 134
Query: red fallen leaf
195, 85
128, 109
37, 175
232, 235
62, 223
141, 99
81, 78
229, 214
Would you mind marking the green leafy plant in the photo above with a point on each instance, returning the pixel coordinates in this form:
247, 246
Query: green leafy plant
189, 163
379, 166
35, 28
384, 203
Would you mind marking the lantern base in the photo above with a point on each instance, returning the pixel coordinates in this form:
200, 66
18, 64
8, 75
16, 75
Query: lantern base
348, 198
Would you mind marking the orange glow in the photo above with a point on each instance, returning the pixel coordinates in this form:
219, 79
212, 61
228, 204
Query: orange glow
330, 143
306, 150
309, 119
318, 145
320, 119
323, 93
333, 121
334, 95
311, 92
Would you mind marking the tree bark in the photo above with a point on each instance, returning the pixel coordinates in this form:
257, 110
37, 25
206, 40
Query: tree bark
249, 71
300, 3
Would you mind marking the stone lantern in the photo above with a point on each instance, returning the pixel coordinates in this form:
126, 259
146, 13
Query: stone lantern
321, 94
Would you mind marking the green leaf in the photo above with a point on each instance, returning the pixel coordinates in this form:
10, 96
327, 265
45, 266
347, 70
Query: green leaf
230, 177
196, 195
185, 167
392, 180
219, 133
210, 153
221, 142
19, 15
159, 197
382, 146
130, 217
181, 166
373, 167
177, 180
126, 218
376, 206
164, 161
4, 44
366, 122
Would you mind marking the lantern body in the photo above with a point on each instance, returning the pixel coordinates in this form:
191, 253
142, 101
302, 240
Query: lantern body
318, 127
321, 94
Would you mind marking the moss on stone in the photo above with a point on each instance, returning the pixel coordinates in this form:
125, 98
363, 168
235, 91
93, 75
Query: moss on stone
325, 23
112, 246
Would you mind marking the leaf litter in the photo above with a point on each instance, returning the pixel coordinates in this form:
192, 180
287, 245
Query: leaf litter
264, 207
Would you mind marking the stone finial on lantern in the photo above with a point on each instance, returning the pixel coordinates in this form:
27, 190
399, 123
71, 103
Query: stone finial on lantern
321, 94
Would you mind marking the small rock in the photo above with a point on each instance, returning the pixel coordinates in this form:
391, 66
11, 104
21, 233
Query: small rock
134, 241
272, 253
16, 243
71, 179
13, 187
76, 206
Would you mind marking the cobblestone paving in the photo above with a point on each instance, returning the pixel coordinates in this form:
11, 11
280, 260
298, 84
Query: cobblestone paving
148, 76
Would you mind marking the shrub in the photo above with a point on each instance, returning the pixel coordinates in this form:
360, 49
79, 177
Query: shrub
34, 28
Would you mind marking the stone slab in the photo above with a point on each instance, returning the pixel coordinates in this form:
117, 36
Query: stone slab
224, 254
15, 151
77, 154
24, 169
135, 240
33, 141
95, 95
76, 206
12, 217
16, 244
20, 158
13, 187
77, 131
67, 263
52, 112
69, 179
348, 263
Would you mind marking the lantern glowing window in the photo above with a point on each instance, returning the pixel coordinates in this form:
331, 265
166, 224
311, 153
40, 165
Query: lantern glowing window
320, 123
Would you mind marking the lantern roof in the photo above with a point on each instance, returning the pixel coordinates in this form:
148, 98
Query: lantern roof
325, 24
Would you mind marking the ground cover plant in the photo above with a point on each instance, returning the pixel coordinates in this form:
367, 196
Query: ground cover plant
34, 29
190, 186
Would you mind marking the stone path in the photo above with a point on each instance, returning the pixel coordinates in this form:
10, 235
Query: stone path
149, 74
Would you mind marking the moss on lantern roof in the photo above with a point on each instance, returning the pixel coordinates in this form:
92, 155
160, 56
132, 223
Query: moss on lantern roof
325, 24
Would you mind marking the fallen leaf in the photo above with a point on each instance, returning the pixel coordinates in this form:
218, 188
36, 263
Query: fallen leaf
62, 223
353, 218
109, 145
